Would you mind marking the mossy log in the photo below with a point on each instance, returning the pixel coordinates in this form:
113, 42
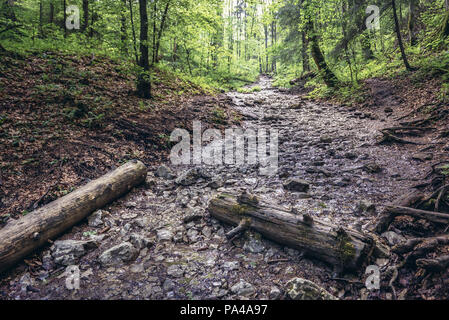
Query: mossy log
342, 248
21, 237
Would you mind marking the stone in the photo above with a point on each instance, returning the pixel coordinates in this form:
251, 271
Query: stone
191, 176
372, 167
168, 285
392, 237
67, 252
216, 183
243, 288
303, 289
325, 139
118, 254
366, 206
254, 245
95, 219
297, 185
231, 265
275, 293
175, 271
164, 172
164, 235
193, 235
422, 156
139, 241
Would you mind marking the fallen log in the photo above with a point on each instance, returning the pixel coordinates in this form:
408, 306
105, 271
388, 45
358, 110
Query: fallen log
21, 237
342, 248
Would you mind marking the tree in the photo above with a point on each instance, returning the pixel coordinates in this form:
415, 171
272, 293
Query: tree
143, 81
328, 76
398, 34
85, 15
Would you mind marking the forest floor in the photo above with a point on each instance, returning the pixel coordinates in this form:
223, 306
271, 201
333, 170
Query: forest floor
182, 251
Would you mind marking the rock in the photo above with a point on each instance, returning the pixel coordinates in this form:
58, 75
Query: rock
67, 252
302, 289
168, 285
164, 172
139, 241
325, 139
350, 155
388, 110
297, 185
254, 246
195, 215
207, 231
243, 288
392, 237
164, 235
193, 235
372, 167
216, 183
366, 206
275, 293
137, 268
175, 271
118, 254
191, 176
231, 265
95, 219
422, 156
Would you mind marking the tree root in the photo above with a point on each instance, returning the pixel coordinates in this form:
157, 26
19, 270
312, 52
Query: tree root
435, 265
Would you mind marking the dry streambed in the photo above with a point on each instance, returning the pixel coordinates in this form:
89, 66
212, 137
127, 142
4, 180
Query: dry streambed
160, 241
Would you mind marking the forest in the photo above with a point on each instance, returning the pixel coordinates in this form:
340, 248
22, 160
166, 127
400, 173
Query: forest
350, 96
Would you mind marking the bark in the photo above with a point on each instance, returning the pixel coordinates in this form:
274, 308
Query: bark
133, 31
328, 76
398, 33
411, 22
123, 34
21, 237
161, 29
52, 13
65, 17
342, 248
85, 15
143, 82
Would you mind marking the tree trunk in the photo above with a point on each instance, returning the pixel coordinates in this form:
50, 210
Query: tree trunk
342, 248
143, 82
161, 29
21, 237
65, 18
123, 34
411, 22
133, 31
328, 76
52, 13
85, 15
398, 33
305, 56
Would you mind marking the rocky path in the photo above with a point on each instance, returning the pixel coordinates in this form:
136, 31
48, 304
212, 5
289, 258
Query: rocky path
159, 242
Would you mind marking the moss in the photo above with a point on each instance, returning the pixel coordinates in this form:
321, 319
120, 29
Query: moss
240, 209
345, 249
